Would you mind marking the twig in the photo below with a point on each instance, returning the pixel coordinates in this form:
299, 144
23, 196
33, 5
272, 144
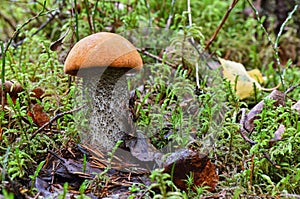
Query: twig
156, 57
275, 44
260, 21
21, 27
280, 33
242, 130
270, 160
169, 21
288, 195
89, 19
42, 26
53, 119
290, 89
56, 156
149, 13
193, 42
5, 49
75, 12
2, 89
234, 2
201, 55
50, 18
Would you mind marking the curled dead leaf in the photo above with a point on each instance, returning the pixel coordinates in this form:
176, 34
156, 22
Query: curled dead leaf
58, 43
297, 106
278, 134
11, 88
187, 162
141, 148
39, 116
248, 121
37, 94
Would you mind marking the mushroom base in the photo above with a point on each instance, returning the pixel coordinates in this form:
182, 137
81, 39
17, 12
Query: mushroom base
108, 112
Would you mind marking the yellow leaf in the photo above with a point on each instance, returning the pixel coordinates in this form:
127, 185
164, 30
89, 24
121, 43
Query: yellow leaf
256, 74
245, 84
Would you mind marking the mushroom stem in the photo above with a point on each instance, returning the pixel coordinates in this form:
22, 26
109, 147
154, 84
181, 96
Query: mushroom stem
108, 104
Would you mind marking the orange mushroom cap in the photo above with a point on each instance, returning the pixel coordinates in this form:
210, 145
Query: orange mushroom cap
102, 49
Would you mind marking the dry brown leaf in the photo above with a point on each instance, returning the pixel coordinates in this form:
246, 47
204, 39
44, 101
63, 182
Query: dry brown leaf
37, 93
12, 88
1, 134
248, 122
186, 162
39, 116
278, 133
297, 106
141, 148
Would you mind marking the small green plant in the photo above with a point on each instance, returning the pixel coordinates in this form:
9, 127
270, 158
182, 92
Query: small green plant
63, 195
18, 162
84, 163
36, 173
259, 173
83, 187
7, 195
192, 190
135, 188
166, 187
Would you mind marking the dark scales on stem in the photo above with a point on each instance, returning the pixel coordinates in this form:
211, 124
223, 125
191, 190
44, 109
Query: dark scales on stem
108, 107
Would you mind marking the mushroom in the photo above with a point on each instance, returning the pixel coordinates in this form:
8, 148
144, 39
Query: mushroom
102, 60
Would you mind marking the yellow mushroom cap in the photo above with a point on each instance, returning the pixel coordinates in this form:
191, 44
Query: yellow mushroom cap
102, 49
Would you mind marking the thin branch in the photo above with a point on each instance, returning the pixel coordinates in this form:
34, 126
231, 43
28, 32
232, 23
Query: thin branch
149, 13
89, 18
242, 129
260, 21
2, 89
169, 21
21, 27
234, 2
275, 44
5, 49
50, 18
280, 33
270, 160
288, 195
156, 57
290, 89
193, 41
75, 13
42, 26
53, 119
